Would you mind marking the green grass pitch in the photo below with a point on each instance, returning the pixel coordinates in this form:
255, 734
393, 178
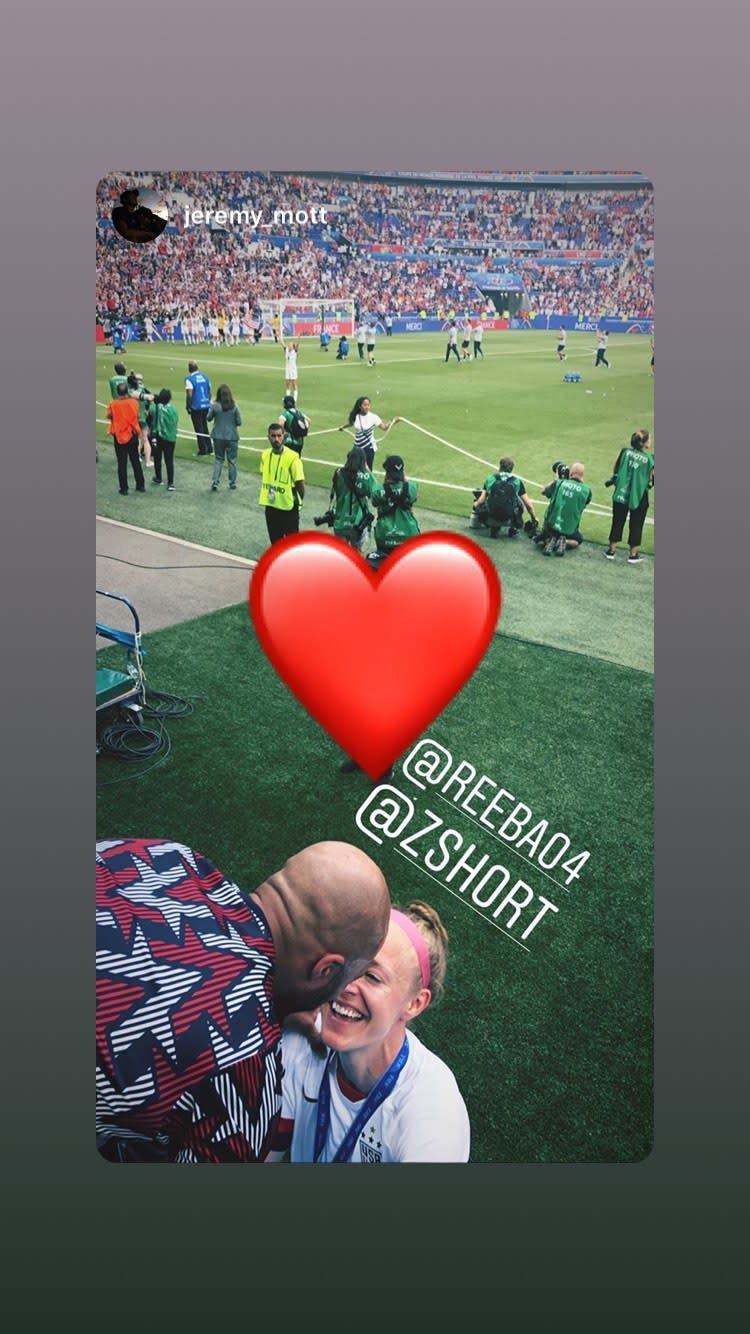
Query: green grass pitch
514, 402
551, 1044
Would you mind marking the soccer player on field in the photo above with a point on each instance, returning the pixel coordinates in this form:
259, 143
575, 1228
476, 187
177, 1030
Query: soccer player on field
452, 345
561, 340
602, 338
361, 341
290, 366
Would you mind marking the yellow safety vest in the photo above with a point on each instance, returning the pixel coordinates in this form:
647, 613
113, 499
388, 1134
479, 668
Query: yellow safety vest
278, 473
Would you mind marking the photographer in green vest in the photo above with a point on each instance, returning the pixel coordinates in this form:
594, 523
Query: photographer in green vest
569, 498
632, 478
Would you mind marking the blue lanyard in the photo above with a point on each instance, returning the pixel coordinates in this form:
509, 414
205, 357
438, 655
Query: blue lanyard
375, 1097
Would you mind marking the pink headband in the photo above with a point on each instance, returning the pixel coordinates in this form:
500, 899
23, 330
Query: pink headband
416, 938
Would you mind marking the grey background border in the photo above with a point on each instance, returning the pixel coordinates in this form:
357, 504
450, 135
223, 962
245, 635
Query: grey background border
90, 90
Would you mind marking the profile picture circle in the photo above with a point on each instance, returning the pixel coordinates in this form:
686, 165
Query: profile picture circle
140, 216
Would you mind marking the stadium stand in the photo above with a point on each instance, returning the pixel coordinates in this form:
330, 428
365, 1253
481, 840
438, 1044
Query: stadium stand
404, 247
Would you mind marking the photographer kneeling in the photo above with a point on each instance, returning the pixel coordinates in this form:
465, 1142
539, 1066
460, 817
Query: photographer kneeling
393, 502
349, 514
502, 500
568, 497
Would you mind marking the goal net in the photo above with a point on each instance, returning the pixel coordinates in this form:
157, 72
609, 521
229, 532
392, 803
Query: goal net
307, 318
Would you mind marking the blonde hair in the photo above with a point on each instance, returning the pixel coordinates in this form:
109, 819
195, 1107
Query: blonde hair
435, 938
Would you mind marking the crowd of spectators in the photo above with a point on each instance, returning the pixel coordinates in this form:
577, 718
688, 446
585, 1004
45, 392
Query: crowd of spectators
400, 247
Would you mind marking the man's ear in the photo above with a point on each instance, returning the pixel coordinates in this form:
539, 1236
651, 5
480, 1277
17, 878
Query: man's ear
326, 966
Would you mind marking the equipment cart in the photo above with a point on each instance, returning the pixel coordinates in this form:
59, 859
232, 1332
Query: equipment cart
126, 687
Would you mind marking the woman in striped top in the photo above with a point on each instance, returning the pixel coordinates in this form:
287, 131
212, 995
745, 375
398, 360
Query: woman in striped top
364, 422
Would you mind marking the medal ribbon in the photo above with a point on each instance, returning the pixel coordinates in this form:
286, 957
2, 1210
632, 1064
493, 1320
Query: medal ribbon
375, 1097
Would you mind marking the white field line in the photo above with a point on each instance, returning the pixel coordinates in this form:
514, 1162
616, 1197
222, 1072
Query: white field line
263, 439
594, 507
325, 463
528, 481
326, 365
441, 441
178, 541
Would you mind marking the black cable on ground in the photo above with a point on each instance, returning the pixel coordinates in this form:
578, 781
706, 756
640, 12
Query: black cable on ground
160, 704
127, 738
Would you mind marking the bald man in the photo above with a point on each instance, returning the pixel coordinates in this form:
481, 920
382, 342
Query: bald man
568, 498
194, 977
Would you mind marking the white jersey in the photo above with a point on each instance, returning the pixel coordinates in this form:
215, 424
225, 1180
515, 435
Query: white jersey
361, 335
290, 354
424, 1120
478, 333
364, 430
370, 331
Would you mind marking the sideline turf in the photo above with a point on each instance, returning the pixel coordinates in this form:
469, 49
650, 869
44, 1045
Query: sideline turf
514, 402
583, 602
551, 1048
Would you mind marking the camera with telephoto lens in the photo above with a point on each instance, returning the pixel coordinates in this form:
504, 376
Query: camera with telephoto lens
326, 518
611, 481
561, 470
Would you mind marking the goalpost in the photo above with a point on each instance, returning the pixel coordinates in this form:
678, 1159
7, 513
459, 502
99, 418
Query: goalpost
307, 317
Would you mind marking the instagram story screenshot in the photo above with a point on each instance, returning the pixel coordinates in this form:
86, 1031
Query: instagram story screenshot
375, 519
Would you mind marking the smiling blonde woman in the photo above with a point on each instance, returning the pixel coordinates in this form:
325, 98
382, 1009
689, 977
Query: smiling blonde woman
374, 1092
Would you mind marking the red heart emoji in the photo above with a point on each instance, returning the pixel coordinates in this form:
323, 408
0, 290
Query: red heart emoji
375, 655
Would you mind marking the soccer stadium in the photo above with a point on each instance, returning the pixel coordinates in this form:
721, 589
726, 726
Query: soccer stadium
487, 316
